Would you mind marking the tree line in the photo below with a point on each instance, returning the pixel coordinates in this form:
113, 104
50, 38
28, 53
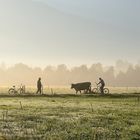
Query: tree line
122, 74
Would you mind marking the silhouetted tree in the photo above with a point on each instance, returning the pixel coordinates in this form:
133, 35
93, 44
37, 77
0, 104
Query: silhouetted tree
61, 75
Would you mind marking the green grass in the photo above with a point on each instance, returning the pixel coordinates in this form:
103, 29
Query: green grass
70, 117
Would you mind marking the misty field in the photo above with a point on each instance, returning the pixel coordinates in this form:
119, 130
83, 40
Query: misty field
62, 115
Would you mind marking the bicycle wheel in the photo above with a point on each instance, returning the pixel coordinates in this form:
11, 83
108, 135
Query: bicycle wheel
11, 91
95, 90
19, 91
106, 91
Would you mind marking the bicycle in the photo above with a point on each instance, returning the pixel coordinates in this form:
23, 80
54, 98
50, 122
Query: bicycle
98, 90
20, 90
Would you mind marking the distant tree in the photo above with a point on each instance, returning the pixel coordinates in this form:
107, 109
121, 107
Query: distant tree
96, 71
122, 66
109, 76
61, 75
48, 74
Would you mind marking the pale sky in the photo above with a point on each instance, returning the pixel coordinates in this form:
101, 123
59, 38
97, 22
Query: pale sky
73, 32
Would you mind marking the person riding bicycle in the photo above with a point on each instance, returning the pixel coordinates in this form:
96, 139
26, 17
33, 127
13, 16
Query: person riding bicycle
102, 83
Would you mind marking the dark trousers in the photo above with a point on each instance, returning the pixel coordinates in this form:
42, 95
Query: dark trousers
39, 90
102, 89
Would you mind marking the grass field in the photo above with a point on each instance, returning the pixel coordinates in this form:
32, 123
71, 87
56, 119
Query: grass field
66, 116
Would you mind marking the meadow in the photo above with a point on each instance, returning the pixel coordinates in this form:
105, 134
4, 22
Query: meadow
60, 114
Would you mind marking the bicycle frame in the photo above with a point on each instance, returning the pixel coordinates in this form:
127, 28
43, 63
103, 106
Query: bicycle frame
98, 89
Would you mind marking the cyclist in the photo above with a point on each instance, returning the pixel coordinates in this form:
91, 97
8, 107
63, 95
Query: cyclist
102, 83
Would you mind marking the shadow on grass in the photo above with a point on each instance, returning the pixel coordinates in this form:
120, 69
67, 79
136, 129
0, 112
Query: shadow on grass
114, 95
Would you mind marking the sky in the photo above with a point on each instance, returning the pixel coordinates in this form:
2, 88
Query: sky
71, 32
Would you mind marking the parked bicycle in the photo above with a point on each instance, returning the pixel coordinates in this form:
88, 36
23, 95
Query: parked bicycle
20, 90
97, 90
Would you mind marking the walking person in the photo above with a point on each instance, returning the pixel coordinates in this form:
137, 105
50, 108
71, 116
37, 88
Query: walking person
39, 86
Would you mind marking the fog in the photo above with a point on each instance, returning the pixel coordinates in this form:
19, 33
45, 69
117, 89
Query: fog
36, 33
39, 33
122, 74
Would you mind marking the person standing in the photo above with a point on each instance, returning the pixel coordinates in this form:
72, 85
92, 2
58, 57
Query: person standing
39, 86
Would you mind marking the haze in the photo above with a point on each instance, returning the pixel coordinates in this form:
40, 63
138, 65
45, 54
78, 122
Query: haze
61, 75
43, 32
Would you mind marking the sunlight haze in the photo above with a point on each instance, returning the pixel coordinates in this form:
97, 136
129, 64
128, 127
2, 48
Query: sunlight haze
52, 32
